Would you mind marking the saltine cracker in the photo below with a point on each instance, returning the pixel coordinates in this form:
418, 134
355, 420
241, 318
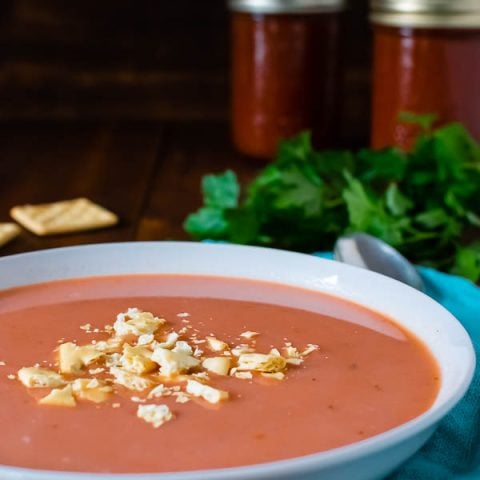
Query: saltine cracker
8, 231
67, 216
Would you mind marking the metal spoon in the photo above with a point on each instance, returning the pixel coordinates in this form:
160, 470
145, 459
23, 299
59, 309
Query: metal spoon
369, 252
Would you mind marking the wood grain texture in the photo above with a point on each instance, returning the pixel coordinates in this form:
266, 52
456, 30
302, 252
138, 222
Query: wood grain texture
149, 175
127, 102
139, 59
193, 150
111, 164
144, 60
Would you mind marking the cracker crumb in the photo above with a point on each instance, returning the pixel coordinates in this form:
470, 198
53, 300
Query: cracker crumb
261, 363
311, 347
169, 341
96, 371
174, 363
34, 377
210, 394
59, 397
158, 391
182, 347
218, 365
145, 339
159, 361
275, 376
136, 322
93, 390
249, 334
181, 397
242, 349
216, 345
138, 399
130, 380
198, 352
157, 415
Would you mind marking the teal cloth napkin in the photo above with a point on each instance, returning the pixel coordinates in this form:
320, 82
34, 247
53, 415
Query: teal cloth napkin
453, 452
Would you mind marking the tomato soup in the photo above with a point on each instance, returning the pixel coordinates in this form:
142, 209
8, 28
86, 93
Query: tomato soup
306, 372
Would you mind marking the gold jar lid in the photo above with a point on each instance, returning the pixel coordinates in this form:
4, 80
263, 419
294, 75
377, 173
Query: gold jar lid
426, 13
286, 6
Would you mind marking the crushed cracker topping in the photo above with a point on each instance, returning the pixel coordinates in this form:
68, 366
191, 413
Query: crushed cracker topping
165, 363
136, 322
59, 398
145, 339
93, 390
210, 394
138, 399
310, 349
216, 345
259, 362
130, 380
181, 397
157, 415
248, 334
241, 349
96, 371
34, 377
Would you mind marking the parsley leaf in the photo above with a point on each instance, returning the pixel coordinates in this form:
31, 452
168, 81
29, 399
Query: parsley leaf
397, 203
421, 202
221, 191
467, 262
207, 223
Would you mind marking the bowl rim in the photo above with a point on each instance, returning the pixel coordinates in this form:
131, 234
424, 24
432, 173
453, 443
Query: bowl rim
292, 466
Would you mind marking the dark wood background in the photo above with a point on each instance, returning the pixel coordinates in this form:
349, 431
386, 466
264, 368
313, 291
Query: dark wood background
127, 102
142, 60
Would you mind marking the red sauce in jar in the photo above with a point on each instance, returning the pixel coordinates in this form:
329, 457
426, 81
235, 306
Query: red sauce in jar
424, 70
284, 78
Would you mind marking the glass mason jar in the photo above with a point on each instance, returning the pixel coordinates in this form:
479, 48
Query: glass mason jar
284, 71
426, 60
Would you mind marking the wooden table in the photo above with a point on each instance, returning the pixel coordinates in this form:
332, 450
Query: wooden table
152, 81
147, 173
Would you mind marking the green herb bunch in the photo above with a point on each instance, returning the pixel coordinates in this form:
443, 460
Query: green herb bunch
426, 202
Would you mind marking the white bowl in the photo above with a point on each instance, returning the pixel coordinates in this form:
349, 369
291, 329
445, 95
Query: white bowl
369, 459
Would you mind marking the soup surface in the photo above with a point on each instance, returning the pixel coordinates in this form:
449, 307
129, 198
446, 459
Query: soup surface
367, 375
